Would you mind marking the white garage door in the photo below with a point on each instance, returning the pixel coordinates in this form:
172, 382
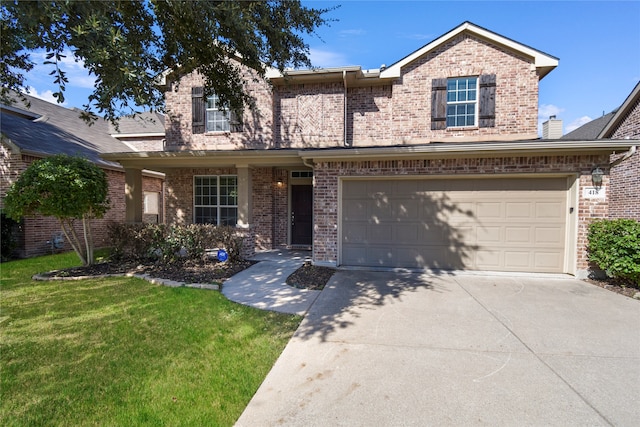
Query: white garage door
515, 224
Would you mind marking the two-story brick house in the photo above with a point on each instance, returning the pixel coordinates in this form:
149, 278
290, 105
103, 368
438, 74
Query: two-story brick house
432, 162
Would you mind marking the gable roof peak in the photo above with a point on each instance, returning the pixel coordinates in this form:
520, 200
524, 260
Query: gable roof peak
543, 62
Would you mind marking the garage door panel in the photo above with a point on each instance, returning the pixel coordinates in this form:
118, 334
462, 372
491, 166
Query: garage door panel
547, 210
488, 259
486, 224
521, 235
549, 261
518, 210
489, 235
549, 236
489, 211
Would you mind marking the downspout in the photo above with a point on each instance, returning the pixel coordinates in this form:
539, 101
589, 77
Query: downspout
344, 79
631, 152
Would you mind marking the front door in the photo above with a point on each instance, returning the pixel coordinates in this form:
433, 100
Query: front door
301, 214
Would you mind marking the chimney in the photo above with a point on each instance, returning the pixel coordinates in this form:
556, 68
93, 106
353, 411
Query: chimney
552, 128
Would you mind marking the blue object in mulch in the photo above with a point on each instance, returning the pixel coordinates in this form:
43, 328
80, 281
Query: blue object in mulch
222, 255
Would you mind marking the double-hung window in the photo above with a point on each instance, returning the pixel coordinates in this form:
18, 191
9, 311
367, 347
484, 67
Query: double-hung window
462, 102
217, 117
215, 199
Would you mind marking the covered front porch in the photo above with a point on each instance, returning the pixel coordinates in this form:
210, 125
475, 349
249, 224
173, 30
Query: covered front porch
266, 195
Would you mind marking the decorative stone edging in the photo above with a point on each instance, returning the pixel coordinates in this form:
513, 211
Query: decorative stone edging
153, 280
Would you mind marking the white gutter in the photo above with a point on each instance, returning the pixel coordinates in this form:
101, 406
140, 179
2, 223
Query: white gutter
470, 149
628, 154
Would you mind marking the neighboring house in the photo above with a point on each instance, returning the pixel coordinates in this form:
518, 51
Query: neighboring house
44, 129
142, 132
431, 162
621, 124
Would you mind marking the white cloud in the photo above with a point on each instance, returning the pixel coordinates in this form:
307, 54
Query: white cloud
74, 68
353, 32
577, 123
45, 95
547, 110
326, 58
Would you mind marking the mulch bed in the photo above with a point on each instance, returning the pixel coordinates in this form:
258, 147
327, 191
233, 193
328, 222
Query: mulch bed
196, 271
187, 271
310, 276
616, 286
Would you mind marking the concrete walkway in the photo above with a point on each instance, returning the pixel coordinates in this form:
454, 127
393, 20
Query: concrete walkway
264, 286
392, 349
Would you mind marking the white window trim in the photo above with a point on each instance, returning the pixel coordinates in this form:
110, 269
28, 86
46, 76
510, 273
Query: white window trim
226, 112
218, 206
475, 102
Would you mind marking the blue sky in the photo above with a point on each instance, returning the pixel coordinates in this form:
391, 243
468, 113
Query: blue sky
597, 43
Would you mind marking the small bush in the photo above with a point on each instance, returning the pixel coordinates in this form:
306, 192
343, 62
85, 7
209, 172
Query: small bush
614, 245
171, 242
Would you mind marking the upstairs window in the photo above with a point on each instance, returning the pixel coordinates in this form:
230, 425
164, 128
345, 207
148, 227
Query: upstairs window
462, 101
215, 199
207, 115
217, 117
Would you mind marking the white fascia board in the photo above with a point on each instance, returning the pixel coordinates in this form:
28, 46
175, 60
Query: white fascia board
621, 113
541, 60
137, 135
467, 149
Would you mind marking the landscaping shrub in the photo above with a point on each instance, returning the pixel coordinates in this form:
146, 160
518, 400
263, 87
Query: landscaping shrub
614, 245
171, 242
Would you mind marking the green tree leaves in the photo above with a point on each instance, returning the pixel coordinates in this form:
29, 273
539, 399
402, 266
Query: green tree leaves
127, 44
68, 188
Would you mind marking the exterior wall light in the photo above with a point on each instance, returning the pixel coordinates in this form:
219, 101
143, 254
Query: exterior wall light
596, 176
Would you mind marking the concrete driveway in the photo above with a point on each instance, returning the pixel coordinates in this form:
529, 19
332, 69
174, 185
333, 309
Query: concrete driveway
390, 349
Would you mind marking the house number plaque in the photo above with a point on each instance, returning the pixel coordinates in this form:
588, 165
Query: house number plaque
593, 193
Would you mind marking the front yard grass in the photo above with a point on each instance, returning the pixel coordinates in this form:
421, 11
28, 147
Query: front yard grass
121, 351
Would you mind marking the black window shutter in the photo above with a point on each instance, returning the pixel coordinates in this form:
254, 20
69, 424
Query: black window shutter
438, 104
487, 109
235, 122
198, 110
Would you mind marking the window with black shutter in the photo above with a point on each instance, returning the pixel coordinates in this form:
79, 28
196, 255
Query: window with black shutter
463, 102
209, 116
197, 110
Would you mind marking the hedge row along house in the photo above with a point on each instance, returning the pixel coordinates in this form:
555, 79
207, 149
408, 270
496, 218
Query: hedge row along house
37, 129
432, 162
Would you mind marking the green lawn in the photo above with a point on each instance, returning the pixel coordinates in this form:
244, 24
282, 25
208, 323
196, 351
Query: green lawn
121, 351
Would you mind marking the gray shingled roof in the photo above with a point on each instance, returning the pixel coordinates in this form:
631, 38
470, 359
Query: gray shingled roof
47, 129
145, 122
590, 130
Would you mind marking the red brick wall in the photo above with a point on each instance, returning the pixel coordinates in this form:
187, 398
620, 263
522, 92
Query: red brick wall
625, 176
309, 115
269, 202
257, 130
326, 175
630, 124
516, 90
294, 115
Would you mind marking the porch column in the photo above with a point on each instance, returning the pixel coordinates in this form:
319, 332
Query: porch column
245, 191
133, 195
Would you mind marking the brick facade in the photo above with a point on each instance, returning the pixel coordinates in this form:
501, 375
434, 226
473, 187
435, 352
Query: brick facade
312, 115
625, 176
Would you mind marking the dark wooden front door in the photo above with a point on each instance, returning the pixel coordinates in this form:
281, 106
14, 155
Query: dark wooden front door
301, 214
